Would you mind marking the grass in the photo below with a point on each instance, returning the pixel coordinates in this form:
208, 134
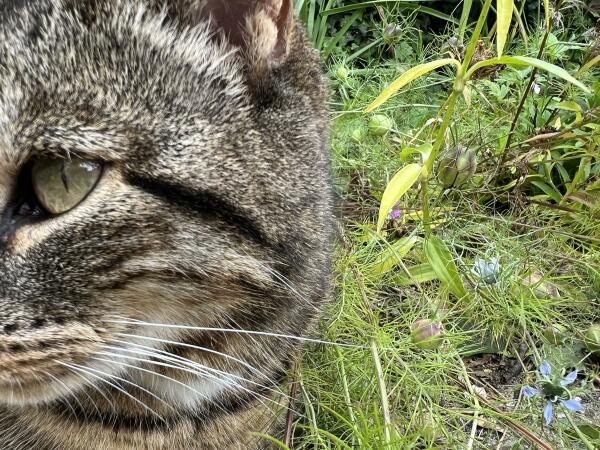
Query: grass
373, 387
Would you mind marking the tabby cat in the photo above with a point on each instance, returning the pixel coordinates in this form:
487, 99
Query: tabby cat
166, 220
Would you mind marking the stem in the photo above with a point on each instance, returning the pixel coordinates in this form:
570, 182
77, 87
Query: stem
385, 405
582, 436
513, 125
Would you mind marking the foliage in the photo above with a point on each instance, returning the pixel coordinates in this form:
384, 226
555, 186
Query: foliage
505, 97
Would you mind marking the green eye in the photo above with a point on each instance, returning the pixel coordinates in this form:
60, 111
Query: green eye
61, 184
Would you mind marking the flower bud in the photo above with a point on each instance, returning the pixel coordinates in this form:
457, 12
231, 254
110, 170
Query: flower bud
457, 167
454, 42
380, 125
555, 334
391, 33
541, 289
427, 334
592, 339
342, 73
357, 135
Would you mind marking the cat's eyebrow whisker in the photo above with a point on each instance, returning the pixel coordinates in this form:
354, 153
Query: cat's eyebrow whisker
200, 367
196, 347
79, 368
235, 331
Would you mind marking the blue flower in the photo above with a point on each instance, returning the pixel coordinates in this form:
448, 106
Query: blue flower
553, 391
487, 270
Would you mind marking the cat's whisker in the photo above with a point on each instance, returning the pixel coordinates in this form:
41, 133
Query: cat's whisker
201, 373
196, 347
131, 383
87, 383
187, 362
92, 384
79, 368
235, 331
159, 375
65, 400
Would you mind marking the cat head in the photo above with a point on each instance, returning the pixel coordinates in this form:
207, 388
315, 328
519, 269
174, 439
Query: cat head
160, 163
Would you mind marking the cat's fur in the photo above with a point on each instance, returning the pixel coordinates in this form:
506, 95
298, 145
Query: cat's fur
214, 210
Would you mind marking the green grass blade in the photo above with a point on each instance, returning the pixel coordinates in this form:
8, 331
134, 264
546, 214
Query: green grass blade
400, 4
504, 11
410, 75
530, 62
341, 33
588, 65
464, 18
441, 261
397, 187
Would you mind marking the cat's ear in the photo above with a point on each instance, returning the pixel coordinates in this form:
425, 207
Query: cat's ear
260, 28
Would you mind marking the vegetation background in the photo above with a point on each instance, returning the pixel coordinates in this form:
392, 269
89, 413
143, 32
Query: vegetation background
466, 141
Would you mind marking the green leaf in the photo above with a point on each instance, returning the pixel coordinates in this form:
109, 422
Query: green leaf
504, 10
397, 187
441, 261
528, 62
392, 255
588, 65
410, 75
548, 190
411, 5
421, 273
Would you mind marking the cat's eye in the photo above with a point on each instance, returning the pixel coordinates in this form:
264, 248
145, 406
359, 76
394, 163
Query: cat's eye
61, 184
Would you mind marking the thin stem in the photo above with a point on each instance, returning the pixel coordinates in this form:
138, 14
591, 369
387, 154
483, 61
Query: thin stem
513, 125
582, 436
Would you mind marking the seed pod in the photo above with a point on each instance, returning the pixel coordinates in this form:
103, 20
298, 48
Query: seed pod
555, 334
357, 135
541, 289
391, 33
592, 339
457, 167
342, 73
380, 125
427, 334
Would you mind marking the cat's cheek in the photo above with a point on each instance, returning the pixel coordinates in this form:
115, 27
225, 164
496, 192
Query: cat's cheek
28, 236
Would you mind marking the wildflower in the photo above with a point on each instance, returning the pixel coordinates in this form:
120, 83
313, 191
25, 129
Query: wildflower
395, 212
487, 270
554, 391
536, 88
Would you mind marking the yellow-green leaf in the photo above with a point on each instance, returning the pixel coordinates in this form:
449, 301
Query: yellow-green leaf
397, 187
421, 273
504, 10
392, 255
529, 62
410, 75
588, 65
442, 264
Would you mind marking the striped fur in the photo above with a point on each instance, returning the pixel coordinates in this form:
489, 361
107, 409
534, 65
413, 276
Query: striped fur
120, 319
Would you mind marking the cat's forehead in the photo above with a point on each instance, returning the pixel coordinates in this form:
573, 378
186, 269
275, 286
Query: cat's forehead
86, 79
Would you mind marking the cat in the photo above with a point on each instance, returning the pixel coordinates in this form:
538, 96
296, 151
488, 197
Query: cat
166, 220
